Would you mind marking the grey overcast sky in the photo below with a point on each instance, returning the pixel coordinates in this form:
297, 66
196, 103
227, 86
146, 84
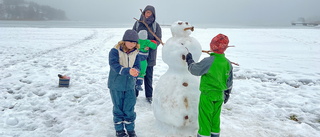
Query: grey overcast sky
251, 12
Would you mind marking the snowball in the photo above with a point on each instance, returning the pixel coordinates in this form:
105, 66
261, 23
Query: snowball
12, 121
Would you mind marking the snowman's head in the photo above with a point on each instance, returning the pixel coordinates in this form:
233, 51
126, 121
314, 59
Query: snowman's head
181, 29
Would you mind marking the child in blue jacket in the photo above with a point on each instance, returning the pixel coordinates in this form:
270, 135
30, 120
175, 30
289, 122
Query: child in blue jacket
124, 67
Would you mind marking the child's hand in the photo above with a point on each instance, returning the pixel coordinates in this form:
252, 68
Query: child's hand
146, 48
226, 95
189, 56
189, 59
134, 72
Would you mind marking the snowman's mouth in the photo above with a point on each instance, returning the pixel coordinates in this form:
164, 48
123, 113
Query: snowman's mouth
189, 28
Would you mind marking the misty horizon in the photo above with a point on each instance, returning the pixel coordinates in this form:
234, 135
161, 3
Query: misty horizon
228, 12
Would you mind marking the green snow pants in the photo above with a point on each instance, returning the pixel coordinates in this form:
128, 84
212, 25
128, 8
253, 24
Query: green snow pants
143, 68
209, 115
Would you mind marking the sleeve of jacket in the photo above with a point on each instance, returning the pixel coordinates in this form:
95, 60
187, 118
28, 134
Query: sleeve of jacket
201, 67
230, 79
158, 33
137, 62
151, 45
114, 63
135, 26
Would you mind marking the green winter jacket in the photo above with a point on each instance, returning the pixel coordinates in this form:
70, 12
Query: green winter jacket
146, 43
216, 75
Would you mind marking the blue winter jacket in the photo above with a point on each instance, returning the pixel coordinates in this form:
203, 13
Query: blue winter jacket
120, 64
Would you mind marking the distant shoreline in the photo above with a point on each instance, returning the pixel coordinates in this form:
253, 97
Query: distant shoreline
27, 20
104, 24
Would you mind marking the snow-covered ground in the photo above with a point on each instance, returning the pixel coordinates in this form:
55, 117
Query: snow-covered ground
276, 89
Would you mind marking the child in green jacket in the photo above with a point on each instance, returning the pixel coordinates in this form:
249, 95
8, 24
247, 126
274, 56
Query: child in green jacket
145, 44
216, 77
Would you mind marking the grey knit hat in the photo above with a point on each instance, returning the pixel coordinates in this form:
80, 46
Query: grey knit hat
130, 35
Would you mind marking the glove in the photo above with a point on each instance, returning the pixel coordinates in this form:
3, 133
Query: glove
155, 42
189, 59
226, 95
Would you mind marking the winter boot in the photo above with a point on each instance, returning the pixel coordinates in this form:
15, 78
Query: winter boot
139, 88
212, 135
121, 133
215, 134
132, 134
139, 82
149, 99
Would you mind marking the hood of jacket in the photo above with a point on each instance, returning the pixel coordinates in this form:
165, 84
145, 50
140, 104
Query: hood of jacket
151, 8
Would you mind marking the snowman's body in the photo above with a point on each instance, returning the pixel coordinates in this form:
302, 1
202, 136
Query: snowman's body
176, 94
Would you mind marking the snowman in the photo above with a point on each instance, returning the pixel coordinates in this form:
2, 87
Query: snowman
176, 94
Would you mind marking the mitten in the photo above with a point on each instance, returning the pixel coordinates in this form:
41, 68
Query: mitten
189, 59
155, 42
226, 95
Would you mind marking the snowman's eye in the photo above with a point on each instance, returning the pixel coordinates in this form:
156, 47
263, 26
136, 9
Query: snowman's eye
187, 23
180, 23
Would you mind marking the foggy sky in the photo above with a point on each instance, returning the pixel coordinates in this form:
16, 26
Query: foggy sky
251, 12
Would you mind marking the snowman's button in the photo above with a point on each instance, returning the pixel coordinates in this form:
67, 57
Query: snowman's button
183, 57
185, 84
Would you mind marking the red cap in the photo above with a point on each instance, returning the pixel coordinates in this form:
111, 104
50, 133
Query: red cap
219, 44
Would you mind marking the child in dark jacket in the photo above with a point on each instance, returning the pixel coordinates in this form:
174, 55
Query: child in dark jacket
216, 77
124, 67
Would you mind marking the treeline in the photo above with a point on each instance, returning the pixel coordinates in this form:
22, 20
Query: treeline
21, 10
